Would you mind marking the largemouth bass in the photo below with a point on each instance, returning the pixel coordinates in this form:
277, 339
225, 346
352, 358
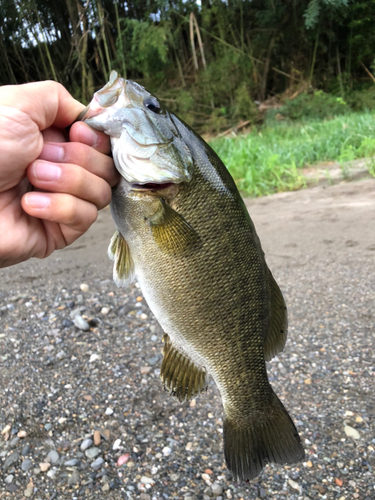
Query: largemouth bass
184, 233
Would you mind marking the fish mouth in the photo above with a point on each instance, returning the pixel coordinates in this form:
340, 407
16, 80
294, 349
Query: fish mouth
151, 186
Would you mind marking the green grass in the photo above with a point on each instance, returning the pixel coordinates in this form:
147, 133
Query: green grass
270, 159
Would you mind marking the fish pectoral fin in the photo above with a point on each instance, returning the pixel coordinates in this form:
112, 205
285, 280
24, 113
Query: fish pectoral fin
123, 268
275, 339
253, 440
181, 377
170, 230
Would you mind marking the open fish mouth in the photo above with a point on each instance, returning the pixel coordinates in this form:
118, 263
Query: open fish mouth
151, 186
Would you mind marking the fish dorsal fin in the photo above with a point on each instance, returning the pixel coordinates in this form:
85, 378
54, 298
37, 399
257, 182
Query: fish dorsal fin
170, 230
123, 269
276, 336
180, 376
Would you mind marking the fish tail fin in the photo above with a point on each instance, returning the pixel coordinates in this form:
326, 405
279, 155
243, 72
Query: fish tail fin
267, 437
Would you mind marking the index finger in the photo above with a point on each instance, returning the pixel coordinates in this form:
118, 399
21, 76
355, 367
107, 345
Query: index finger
81, 132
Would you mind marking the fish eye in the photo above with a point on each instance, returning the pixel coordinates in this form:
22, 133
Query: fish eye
152, 104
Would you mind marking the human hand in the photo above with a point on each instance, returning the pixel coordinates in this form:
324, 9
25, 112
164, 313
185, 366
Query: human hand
50, 189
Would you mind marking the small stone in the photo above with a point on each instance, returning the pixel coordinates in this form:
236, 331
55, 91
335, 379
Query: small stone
189, 446
174, 477
48, 427
9, 479
166, 451
74, 478
97, 463
72, 463
13, 457
6, 430
116, 445
25, 450
154, 338
52, 473
26, 465
359, 420
131, 464
147, 480
105, 487
294, 485
309, 464
217, 489
351, 432
338, 481
44, 466
97, 437
22, 434
86, 443
28, 492
84, 287
145, 370
105, 310
52, 457
92, 452
123, 459
81, 323
94, 357
109, 411
61, 355
14, 442
307, 381
105, 433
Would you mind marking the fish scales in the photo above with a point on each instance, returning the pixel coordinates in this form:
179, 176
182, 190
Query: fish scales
184, 233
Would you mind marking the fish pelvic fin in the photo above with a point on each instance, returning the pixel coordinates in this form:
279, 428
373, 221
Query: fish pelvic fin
275, 339
170, 230
181, 377
123, 268
267, 437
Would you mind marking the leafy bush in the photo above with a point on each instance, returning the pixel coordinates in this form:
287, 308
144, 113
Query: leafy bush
312, 105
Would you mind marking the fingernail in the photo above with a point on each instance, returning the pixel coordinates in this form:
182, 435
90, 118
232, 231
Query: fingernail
87, 135
37, 200
44, 171
52, 152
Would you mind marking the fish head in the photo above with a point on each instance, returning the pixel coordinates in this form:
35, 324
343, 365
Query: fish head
147, 148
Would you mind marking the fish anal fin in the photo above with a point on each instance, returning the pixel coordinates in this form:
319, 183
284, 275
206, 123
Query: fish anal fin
180, 376
266, 436
170, 230
275, 339
123, 268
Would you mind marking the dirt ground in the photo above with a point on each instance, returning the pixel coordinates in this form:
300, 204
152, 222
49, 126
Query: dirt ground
61, 386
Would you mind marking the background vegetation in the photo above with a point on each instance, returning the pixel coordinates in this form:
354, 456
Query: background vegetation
217, 63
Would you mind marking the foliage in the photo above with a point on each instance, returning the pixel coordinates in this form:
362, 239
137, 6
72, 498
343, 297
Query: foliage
269, 159
313, 105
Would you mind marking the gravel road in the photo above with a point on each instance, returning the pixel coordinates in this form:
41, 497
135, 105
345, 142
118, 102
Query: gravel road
82, 411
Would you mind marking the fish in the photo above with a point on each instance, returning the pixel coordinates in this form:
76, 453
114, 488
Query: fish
185, 235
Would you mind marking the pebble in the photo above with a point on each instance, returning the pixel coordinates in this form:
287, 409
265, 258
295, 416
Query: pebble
97, 463
293, 484
81, 323
92, 452
44, 466
14, 442
26, 465
74, 478
109, 411
122, 459
86, 443
105, 310
25, 450
147, 480
52, 457
72, 463
97, 437
217, 489
116, 445
166, 451
52, 473
22, 434
351, 432
84, 287
28, 492
9, 479
13, 457
61, 355
94, 357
